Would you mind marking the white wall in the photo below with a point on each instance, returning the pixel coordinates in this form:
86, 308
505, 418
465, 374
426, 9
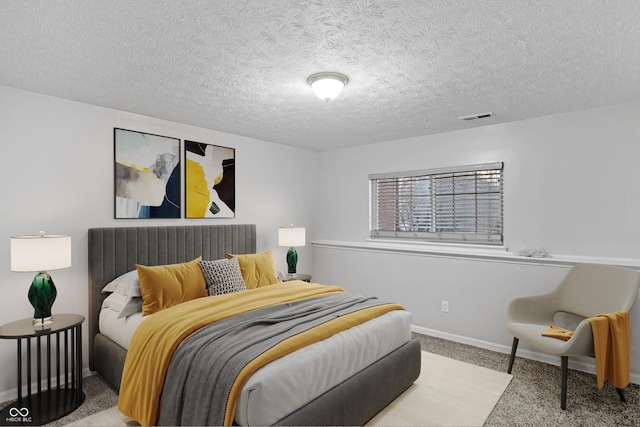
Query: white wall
571, 186
57, 173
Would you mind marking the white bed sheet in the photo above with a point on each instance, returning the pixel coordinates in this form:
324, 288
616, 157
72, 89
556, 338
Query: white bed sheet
288, 383
119, 330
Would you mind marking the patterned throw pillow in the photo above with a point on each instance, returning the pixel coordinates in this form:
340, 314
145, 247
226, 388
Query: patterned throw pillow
223, 276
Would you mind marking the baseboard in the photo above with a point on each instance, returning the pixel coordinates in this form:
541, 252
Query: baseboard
12, 394
587, 365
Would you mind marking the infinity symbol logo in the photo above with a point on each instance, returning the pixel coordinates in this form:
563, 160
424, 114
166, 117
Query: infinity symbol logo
14, 412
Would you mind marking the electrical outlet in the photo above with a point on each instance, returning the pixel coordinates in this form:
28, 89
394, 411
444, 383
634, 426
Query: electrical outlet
445, 306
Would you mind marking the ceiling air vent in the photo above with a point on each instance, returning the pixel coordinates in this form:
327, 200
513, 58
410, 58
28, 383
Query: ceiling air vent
476, 116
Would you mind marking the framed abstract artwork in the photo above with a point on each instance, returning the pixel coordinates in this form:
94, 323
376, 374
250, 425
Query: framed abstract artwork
210, 180
147, 175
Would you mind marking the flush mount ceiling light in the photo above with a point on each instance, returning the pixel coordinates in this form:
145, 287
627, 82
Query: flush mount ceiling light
327, 85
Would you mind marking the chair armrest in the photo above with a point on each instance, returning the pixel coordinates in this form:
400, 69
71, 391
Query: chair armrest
581, 343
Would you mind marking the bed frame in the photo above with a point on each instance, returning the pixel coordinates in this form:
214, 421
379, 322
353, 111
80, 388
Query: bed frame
114, 251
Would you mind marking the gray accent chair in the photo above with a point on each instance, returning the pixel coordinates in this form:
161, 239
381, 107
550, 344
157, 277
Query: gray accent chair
586, 291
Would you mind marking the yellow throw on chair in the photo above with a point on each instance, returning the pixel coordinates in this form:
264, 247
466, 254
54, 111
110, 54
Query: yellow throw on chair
612, 348
557, 332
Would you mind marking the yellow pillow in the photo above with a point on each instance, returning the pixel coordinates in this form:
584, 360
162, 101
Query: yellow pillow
257, 269
164, 286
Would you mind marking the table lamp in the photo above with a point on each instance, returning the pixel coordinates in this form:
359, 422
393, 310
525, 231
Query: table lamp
291, 236
40, 253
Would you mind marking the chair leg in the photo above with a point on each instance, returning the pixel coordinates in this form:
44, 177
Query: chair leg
563, 392
621, 394
514, 347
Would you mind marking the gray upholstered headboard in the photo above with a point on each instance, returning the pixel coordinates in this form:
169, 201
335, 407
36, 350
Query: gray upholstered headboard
114, 251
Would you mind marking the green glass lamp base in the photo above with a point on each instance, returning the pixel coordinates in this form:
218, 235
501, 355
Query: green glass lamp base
292, 260
42, 294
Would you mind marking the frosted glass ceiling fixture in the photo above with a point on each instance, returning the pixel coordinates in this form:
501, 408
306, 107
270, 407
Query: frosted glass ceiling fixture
327, 85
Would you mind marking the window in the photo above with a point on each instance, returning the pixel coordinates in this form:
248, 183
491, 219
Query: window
462, 205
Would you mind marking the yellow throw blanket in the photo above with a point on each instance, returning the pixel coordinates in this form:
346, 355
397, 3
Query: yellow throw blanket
156, 339
557, 332
612, 348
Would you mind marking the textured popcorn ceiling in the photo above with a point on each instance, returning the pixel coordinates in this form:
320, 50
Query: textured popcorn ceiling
241, 66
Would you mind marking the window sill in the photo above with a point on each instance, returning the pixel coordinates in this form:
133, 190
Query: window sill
471, 252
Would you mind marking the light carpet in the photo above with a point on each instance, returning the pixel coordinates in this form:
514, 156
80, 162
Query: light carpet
447, 393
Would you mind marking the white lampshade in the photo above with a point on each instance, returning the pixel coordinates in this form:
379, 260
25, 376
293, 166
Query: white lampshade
327, 86
291, 236
40, 252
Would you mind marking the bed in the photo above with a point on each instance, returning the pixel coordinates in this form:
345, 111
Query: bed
115, 251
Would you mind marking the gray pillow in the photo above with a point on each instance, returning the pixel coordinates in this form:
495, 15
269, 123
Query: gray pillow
223, 276
126, 297
128, 284
124, 305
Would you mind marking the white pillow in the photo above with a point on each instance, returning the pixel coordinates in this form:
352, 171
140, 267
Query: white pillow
128, 284
124, 305
126, 297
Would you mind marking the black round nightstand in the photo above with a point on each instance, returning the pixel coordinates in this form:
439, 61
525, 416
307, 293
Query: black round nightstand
63, 337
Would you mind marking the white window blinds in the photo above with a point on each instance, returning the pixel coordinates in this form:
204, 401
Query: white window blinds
461, 205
